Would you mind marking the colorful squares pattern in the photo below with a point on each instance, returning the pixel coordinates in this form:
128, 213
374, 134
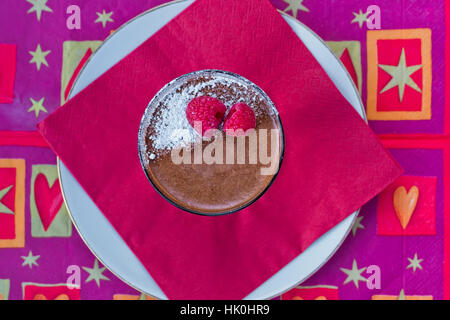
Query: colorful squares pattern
12, 204
49, 216
40, 291
400, 297
321, 292
119, 296
75, 54
399, 74
7, 72
4, 289
7, 204
349, 52
389, 52
407, 207
410, 263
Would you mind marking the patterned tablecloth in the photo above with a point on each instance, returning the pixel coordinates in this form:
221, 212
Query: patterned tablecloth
395, 52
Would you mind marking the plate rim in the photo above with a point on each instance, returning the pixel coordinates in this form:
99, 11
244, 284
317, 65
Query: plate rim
356, 213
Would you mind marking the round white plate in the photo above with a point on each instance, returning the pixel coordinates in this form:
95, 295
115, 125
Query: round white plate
97, 232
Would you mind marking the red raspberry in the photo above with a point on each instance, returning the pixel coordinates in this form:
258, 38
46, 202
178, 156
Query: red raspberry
208, 111
241, 116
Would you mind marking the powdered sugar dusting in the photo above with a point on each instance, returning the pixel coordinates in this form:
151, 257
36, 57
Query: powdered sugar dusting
165, 126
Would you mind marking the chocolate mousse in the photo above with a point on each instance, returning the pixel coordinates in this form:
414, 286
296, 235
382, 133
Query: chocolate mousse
209, 173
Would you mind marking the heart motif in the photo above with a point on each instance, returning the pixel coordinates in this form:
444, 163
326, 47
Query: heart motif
405, 203
62, 296
48, 199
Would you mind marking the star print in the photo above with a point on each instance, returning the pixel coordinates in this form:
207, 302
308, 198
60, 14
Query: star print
360, 18
37, 106
3, 208
104, 17
354, 274
295, 6
95, 273
30, 260
400, 76
39, 57
38, 7
414, 263
357, 225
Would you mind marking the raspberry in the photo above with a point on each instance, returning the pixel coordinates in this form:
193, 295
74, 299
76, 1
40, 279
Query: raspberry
241, 116
208, 111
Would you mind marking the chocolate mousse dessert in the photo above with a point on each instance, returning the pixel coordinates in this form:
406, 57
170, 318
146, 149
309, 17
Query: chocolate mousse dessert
211, 142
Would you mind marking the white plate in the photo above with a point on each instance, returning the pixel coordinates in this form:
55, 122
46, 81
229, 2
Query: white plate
97, 232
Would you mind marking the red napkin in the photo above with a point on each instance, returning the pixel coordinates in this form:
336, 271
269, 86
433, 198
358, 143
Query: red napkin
333, 162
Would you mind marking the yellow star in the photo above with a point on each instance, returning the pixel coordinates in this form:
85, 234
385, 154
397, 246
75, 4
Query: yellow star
38, 7
400, 76
357, 225
414, 263
39, 57
360, 17
104, 17
95, 273
354, 274
3, 208
37, 106
295, 6
30, 260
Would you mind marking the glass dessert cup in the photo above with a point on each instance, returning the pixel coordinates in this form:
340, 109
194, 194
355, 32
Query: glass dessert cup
177, 159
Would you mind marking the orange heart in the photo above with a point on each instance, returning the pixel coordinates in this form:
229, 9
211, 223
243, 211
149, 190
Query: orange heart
318, 298
62, 296
405, 203
2, 297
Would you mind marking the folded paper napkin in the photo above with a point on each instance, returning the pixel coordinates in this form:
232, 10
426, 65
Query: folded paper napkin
333, 162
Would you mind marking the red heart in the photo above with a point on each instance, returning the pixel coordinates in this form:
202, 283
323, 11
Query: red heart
48, 199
